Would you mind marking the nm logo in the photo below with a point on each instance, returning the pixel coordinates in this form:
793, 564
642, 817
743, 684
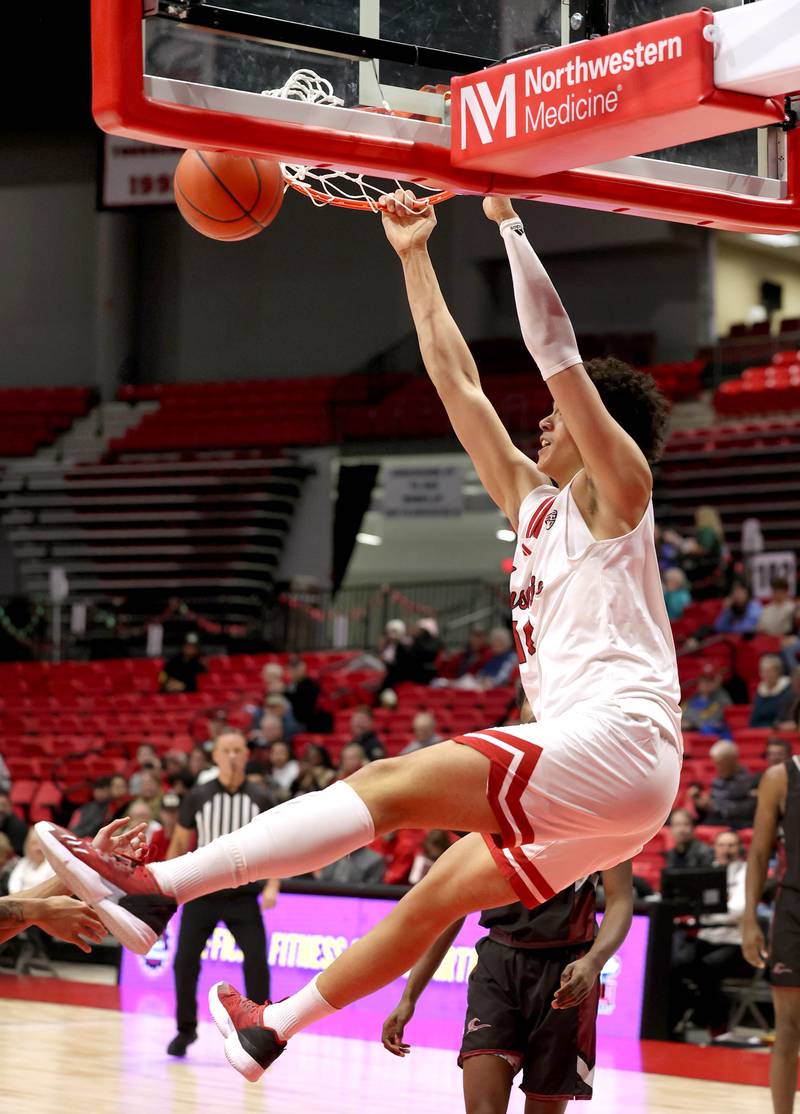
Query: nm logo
479, 104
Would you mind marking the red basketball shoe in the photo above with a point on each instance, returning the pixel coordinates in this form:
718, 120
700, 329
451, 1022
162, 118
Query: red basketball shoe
249, 1047
100, 879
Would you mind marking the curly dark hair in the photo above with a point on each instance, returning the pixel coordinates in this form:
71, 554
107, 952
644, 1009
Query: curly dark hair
634, 401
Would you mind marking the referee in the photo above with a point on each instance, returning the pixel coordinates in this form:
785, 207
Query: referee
212, 810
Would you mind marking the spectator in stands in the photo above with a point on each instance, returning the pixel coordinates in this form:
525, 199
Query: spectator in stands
150, 791
677, 596
667, 548
303, 695
316, 770
731, 800
399, 849
161, 838
174, 763
5, 777
362, 724
424, 731
364, 867
774, 693
200, 765
351, 759
434, 845
790, 713
257, 772
284, 768
687, 850
475, 654
180, 672
91, 817
394, 638
777, 752
777, 614
498, 669
8, 858
140, 812
216, 723
714, 954
702, 554
790, 646
420, 657
11, 825
279, 705
274, 679
500, 666
120, 793
32, 869
705, 710
270, 730
146, 759
741, 612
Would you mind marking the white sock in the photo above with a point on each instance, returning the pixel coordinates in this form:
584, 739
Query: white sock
297, 1012
296, 837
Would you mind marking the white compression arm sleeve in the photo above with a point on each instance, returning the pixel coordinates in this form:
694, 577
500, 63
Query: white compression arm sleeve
546, 328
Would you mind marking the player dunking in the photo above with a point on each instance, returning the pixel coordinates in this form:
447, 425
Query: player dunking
580, 790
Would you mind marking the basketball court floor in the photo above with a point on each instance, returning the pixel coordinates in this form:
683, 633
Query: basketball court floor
56, 1058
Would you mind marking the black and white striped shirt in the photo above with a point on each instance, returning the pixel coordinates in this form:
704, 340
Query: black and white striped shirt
213, 811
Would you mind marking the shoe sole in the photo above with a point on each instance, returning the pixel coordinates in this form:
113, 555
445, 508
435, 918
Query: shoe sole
242, 1061
236, 1056
92, 888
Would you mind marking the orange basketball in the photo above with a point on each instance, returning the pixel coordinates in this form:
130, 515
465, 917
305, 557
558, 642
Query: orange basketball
227, 197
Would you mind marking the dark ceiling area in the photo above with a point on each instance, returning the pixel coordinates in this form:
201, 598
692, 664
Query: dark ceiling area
45, 75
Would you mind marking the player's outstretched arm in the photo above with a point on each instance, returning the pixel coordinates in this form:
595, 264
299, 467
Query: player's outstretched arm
578, 978
42, 905
771, 795
421, 974
613, 461
506, 473
48, 906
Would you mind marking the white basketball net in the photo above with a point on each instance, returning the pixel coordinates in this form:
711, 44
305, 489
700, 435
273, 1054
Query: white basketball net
336, 187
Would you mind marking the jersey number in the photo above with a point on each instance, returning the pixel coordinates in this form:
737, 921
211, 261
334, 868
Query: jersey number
523, 640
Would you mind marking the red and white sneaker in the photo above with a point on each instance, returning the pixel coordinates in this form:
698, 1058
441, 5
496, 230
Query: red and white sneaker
249, 1047
123, 893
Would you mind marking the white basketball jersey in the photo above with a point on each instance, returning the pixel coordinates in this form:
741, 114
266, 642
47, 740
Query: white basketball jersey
589, 619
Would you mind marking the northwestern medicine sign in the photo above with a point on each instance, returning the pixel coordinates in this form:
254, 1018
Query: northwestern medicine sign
634, 91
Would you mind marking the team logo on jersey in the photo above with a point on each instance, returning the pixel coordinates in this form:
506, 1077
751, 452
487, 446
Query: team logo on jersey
781, 969
548, 522
476, 1024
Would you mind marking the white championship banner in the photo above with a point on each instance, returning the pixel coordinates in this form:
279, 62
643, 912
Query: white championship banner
136, 173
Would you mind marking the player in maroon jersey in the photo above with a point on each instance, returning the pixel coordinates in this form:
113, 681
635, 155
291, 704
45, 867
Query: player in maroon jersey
778, 805
532, 998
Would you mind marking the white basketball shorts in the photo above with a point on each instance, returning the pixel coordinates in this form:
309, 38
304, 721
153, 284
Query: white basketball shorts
575, 794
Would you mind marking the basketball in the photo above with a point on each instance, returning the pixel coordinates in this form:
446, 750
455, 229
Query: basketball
227, 197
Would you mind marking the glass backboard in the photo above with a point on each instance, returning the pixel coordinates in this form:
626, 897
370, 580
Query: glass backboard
389, 64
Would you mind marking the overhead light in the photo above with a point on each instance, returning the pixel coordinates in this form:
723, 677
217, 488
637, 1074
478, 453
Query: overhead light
782, 240
505, 535
369, 539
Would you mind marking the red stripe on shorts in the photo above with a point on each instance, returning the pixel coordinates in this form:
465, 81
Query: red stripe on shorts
532, 873
500, 761
511, 797
511, 875
530, 756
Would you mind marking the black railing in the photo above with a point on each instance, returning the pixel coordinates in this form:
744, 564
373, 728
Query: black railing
355, 617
